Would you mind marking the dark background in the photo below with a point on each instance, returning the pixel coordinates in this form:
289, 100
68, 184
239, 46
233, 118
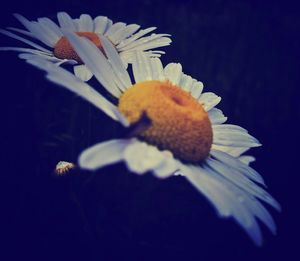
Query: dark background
245, 51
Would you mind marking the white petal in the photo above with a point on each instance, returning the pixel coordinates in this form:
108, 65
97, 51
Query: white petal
28, 56
82, 72
39, 56
65, 61
85, 23
225, 198
142, 68
249, 201
209, 100
236, 164
36, 29
186, 82
101, 24
52, 29
103, 154
247, 159
147, 43
173, 72
131, 39
24, 21
260, 212
216, 116
95, 61
44, 34
233, 151
129, 57
49, 23
229, 127
168, 167
32, 54
123, 33
208, 187
157, 69
240, 180
66, 22
233, 135
27, 50
116, 63
196, 90
68, 80
32, 44
114, 28
141, 157
21, 31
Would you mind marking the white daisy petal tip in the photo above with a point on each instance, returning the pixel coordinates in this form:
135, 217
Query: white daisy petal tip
82, 72
173, 72
141, 157
168, 167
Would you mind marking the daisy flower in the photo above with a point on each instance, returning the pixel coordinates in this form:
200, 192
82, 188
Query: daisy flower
173, 129
57, 49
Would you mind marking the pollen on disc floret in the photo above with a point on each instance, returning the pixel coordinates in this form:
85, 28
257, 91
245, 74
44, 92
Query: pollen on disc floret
64, 50
178, 122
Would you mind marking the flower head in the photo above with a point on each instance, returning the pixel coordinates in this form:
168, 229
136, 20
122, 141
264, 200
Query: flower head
186, 135
57, 49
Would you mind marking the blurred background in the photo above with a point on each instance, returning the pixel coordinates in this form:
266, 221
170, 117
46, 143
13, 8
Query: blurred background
245, 51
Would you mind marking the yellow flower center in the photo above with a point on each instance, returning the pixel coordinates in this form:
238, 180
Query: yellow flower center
64, 50
178, 122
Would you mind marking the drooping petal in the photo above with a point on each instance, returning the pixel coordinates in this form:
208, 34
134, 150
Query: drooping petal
103, 154
141, 157
168, 167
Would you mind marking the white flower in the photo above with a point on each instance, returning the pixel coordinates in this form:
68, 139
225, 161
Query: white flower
186, 133
126, 39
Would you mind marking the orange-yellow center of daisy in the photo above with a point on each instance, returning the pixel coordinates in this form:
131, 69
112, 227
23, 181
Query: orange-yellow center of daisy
178, 121
64, 50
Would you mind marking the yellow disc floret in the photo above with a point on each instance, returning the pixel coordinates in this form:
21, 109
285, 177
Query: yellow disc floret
64, 50
178, 121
